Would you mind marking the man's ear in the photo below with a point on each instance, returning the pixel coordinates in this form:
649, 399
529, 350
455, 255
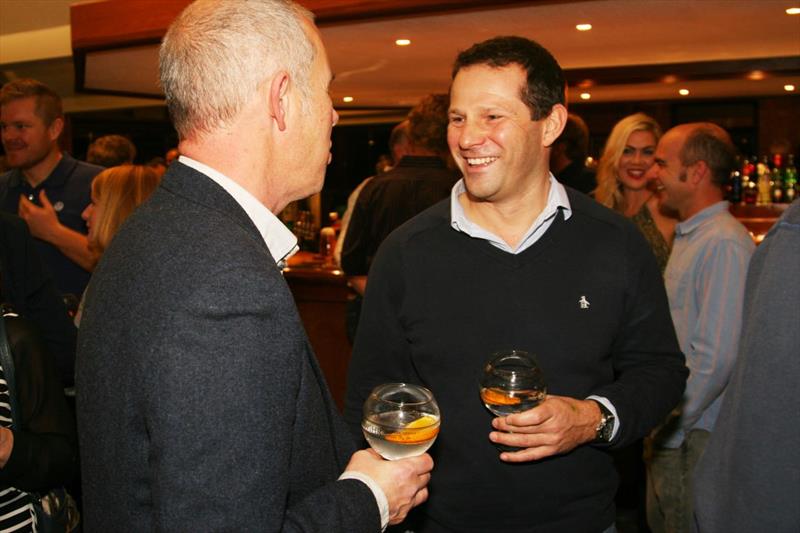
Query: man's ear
55, 128
278, 98
697, 171
554, 124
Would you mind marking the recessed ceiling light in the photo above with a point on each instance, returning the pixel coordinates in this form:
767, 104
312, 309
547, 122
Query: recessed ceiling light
402, 42
756, 75
348, 99
683, 92
585, 96
789, 87
583, 27
793, 11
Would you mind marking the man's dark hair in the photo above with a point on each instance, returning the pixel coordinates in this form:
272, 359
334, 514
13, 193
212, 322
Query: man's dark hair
712, 144
110, 151
48, 103
546, 85
427, 123
399, 134
576, 138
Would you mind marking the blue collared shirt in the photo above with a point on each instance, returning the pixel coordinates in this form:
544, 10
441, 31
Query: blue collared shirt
705, 279
556, 199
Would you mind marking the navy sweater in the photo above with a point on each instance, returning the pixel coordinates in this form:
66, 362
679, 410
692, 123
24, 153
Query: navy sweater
439, 302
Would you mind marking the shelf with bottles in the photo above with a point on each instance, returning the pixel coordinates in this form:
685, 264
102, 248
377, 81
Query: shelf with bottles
764, 181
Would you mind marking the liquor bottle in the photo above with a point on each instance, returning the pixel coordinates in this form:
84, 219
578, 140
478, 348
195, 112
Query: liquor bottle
790, 180
764, 186
776, 180
749, 189
734, 191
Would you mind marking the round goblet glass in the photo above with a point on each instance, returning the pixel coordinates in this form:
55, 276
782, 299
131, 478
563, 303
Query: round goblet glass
512, 382
400, 420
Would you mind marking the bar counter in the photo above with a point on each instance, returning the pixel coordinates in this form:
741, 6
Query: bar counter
321, 293
758, 219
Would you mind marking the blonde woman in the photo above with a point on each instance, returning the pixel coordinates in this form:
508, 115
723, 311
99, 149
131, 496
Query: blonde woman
622, 182
116, 192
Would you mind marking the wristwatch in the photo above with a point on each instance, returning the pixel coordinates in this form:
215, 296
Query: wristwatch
605, 427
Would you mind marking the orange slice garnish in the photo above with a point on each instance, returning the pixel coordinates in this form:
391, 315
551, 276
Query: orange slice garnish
420, 430
498, 397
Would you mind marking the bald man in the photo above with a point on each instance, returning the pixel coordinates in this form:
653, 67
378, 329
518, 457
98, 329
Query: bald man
705, 279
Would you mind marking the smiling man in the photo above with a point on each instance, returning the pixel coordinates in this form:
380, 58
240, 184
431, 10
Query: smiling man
705, 280
47, 187
512, 260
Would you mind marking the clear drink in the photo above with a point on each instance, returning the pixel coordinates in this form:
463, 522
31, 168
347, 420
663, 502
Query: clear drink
503, 402
400, 434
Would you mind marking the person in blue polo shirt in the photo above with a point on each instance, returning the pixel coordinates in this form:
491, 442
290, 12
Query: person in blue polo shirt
46, 187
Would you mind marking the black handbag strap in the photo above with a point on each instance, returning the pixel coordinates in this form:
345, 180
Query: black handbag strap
8, 372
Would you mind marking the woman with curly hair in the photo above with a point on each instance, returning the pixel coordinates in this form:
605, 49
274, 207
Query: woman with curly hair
622, 182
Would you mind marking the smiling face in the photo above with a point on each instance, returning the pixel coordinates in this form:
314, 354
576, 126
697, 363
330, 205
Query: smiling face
27, 140
500, 150
636, 159
676, 192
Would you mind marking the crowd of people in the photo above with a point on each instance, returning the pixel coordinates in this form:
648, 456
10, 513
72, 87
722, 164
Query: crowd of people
154, 295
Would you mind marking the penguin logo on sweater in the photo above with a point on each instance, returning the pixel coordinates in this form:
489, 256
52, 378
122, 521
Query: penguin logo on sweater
584, 303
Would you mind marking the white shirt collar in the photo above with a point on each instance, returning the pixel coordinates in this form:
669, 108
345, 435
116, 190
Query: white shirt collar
556, 199
281, 242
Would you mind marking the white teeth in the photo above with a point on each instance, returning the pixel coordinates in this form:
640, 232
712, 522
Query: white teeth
480, 160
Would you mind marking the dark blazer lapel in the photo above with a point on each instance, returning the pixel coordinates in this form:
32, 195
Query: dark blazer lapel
198, 188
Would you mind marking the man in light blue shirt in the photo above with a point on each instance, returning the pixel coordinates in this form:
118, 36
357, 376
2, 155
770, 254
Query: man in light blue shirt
705, 279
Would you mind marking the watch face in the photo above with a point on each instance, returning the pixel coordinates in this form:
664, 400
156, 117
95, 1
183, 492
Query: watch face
608, 429
606, 426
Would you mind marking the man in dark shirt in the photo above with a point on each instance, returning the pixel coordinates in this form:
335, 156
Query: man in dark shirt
568, 156
29, 289
47, 188
419, 180
514, 260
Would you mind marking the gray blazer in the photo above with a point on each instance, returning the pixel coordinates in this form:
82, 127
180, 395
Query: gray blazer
201, 405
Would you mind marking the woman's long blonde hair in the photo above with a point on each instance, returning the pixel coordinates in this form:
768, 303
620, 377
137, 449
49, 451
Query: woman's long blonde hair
608, 190
118, 191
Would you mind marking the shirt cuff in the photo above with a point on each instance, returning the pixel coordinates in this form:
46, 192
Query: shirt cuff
610, 407
377, 491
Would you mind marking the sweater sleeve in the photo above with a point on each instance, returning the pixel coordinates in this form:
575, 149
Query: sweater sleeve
381, 353
650, 368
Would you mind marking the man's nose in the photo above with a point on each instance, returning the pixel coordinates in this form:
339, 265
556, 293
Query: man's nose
470, 134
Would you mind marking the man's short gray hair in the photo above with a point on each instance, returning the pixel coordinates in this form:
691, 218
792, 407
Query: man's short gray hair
217, 52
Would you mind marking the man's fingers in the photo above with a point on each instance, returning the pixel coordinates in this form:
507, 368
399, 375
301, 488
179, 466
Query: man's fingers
421, 496
44, 199
528, 454
523, 440
424, 479
23, 205
421, 464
